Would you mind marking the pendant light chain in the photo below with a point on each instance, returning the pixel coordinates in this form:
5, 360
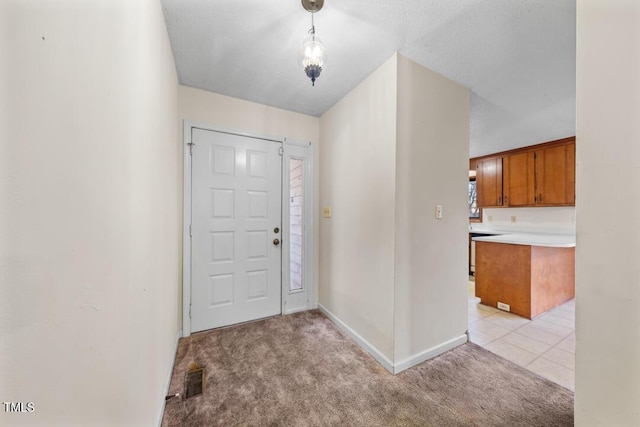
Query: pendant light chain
313, 53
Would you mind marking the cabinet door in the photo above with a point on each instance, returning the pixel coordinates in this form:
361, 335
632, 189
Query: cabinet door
489, 182
555, 175
519, 179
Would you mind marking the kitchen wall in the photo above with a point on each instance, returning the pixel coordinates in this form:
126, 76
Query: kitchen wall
431, 255
560, 219
90, 219
357, 161
608, 214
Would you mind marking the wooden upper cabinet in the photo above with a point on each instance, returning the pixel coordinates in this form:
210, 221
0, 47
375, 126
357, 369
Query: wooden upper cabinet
519, 179
555, 175
540, 175
489, 182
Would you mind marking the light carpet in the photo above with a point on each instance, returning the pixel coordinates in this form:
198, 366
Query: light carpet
301, 370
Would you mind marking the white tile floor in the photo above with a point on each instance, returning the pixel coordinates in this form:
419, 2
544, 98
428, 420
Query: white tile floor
545, 345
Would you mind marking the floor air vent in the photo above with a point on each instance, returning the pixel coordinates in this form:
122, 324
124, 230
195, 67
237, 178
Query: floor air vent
194, 382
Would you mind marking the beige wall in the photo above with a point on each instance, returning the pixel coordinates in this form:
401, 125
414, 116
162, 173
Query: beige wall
244, 116
431, 168
608, 214
90, 218
391, 150
357, 161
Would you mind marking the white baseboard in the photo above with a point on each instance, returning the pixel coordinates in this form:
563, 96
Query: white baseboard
382, 359
429, 353
168, 381
366, 345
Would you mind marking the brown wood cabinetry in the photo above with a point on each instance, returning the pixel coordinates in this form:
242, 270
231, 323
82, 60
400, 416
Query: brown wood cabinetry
519, 179
541, 175
531, 279
555, 175
489, 182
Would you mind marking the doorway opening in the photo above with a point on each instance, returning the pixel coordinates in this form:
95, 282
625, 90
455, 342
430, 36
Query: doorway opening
247, 202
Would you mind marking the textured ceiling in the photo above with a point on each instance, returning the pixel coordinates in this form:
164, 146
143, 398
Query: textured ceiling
516, 56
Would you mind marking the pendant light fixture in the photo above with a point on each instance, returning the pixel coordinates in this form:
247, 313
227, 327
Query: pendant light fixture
313, 54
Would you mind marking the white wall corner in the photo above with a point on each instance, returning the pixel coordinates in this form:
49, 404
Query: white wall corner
430, 353
366, 345
168, 381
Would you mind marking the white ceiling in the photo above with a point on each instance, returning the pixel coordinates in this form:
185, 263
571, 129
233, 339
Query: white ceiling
516, 56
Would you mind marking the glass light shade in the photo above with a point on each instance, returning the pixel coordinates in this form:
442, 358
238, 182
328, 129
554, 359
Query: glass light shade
313, 56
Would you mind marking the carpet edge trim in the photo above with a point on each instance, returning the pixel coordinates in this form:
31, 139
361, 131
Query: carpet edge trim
366, 345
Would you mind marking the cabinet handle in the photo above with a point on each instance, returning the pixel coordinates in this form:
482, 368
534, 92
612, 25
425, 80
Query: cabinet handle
540, 198
506, 200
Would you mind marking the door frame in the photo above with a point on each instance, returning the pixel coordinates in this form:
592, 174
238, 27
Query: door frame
308, 265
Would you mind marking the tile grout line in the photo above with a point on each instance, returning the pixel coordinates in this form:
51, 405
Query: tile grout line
550, 360
562, 338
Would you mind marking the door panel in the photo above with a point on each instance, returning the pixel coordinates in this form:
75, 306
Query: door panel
236, 205
555, 175
519, 180
489, 182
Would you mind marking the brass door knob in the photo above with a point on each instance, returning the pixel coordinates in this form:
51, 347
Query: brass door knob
276, 242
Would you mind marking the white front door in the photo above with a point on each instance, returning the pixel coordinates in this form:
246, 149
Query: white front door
236, 229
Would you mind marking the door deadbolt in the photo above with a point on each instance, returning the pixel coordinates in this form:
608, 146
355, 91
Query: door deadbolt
276, 242
276, 230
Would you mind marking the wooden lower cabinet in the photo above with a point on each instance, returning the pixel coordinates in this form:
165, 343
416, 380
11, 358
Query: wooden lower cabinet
531, 279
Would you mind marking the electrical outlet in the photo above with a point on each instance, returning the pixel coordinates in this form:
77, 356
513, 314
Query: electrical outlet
513, 218
326, 212
503, 306
490, 218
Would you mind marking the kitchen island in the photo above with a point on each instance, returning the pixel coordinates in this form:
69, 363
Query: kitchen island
529, 272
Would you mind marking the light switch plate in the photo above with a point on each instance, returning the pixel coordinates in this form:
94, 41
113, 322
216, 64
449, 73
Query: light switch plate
326, 212
438, 211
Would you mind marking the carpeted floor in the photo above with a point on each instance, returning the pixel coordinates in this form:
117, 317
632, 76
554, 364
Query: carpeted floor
301, 370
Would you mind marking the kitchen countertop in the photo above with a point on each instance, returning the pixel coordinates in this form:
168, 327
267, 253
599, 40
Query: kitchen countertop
486, 232
530, 239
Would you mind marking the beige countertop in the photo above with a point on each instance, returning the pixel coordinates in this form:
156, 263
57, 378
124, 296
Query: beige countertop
530, 239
